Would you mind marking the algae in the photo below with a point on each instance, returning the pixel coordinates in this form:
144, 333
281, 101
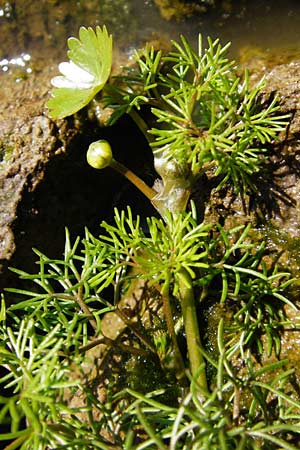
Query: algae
178, 9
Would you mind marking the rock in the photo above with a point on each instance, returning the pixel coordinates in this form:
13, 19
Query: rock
32, 142
27, 141
177, 9
284, 82
39, 189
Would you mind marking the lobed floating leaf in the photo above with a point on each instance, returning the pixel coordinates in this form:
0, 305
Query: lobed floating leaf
84, 75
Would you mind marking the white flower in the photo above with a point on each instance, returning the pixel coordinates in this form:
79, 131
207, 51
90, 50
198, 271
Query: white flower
73, 77
84, 75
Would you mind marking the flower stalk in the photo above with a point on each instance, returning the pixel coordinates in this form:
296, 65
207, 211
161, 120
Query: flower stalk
134, 179
99, 156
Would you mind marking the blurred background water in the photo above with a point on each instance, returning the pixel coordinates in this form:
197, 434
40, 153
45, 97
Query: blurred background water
37, 30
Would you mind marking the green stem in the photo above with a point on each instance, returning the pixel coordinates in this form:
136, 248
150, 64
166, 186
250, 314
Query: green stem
141, 124
165, 292
18, 441
80, 301
137, 181
197, 363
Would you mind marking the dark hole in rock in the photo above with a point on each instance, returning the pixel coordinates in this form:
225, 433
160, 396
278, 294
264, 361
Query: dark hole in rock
75, 196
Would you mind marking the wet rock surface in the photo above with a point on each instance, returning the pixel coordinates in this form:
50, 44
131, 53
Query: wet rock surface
177, 9
27, 142
23, 173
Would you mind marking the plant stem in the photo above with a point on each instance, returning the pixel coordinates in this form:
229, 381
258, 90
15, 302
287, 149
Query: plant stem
137, 181
197, 363
18, 441
165, 292
113, 343
141, 124
85, 308
80, 301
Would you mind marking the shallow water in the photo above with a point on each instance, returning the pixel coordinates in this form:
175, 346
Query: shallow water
268, 24
36, 30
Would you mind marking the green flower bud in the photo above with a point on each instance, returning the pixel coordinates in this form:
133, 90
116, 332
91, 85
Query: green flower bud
99, 154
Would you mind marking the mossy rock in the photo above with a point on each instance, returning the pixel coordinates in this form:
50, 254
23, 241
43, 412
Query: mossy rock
177, 9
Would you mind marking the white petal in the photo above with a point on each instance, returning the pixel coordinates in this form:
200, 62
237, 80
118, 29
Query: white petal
75, 73
62, 82
73, 77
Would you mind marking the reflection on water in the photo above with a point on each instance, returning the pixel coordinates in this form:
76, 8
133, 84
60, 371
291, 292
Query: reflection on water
21, 63
6, 10
41, 28
268, 24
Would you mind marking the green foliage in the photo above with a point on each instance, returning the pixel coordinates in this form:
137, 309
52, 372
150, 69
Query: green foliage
170, 246
84, 75
254, 292
214, 423
72, 293
203, 117
38, 378
44, 385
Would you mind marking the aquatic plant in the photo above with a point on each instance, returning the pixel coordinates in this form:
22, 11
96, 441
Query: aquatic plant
85, 74
153, 281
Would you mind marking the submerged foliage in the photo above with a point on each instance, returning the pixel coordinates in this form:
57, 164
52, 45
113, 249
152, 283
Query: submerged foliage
73, 294
140, 291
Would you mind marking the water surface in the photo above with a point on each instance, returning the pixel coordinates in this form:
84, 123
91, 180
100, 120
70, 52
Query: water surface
32, 30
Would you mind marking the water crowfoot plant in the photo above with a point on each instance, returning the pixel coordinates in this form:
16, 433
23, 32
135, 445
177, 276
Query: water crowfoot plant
91, 266
139, 297
85, 74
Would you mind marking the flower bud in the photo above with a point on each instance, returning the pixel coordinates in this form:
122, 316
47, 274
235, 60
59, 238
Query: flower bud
99, 154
